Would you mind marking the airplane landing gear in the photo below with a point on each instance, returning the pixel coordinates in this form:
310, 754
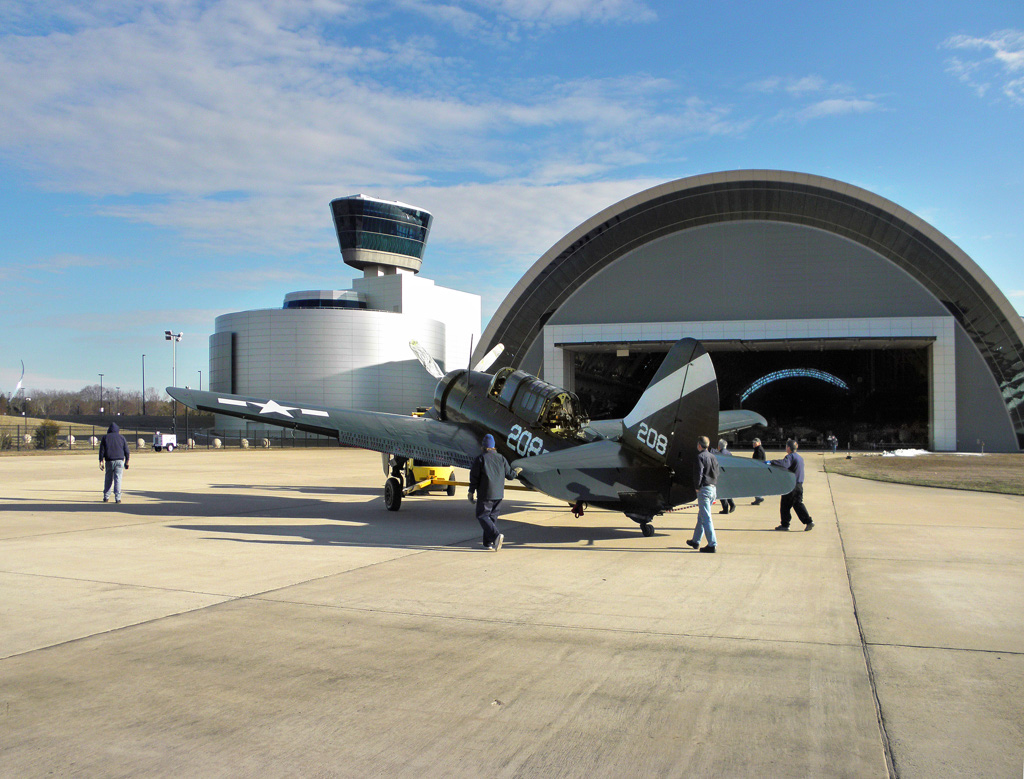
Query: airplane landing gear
393, 493
645, 523
578, 508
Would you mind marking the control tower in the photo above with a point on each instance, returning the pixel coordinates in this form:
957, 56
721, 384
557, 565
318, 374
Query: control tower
380, 237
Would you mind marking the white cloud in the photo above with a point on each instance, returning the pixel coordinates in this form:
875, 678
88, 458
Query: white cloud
837, 107
182, 103
998, 64
495, 214
568, 11
829, 99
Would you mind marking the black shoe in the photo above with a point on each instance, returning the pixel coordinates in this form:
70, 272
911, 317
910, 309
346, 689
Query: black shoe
106, 500
732, 508
692, 544
809, 525
709, 548
724, 511
782, 527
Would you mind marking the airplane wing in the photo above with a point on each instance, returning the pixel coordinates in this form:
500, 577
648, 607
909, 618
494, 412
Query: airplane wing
728, 422
731, 421
407, 436
742, 477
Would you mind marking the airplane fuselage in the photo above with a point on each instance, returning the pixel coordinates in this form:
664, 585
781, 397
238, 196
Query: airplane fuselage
529, 417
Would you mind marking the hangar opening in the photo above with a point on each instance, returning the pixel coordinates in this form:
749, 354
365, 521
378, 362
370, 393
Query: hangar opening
879, 395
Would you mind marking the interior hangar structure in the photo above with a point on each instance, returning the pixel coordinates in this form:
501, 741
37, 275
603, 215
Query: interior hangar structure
767, 266
350, 348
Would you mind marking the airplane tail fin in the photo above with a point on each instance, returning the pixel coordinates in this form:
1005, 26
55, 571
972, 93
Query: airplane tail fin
680, 404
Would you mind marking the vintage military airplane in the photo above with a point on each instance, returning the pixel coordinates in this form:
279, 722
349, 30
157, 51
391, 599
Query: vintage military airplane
641, 465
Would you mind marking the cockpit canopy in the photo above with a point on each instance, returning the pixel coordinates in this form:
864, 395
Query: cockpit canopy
538, 403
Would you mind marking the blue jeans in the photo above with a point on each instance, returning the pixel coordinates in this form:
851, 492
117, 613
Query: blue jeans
705, 497
487, 516
112, 476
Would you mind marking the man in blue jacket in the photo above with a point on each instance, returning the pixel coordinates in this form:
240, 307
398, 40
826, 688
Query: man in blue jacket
114, 456
793, 500
487, 480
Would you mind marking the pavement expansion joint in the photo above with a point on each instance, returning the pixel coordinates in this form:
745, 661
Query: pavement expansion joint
890, 760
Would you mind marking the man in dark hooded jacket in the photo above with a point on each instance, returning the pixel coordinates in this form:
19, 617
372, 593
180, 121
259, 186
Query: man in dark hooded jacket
487, 489
114, 456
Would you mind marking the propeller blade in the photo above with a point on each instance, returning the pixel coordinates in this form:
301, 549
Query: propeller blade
488, 359
426, 360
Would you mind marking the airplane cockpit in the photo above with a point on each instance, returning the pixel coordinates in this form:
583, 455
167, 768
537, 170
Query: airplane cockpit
538, 403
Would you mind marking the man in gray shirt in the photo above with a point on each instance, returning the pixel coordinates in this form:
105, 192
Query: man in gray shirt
705, 479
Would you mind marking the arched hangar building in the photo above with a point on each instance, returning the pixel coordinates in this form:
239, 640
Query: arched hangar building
781, 275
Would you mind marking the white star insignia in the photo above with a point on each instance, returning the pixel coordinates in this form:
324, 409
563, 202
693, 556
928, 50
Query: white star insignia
273, 407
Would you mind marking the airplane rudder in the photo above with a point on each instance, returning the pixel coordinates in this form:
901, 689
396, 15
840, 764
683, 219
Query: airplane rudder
684, 387
697, 413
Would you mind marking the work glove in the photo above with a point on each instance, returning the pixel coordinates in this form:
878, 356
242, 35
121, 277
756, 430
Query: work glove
516, 471
472, 497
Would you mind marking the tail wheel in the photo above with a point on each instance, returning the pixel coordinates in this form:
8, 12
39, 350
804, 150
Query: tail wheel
393, 493
647, 529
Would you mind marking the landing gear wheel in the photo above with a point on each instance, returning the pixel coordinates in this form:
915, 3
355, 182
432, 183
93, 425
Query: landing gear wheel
393, 493
647, 529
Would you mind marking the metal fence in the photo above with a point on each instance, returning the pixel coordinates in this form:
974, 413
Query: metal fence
22, 437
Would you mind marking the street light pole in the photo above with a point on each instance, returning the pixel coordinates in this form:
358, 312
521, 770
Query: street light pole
143, 385
101, 393
174, 338
200, 381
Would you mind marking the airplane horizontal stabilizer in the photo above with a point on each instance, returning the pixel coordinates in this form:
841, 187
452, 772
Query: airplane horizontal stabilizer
598, 473
728, 422
406, 436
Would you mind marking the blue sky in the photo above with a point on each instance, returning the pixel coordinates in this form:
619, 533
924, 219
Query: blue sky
163, 163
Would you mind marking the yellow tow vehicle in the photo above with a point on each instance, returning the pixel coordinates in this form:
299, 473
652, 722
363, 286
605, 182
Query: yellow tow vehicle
408, 477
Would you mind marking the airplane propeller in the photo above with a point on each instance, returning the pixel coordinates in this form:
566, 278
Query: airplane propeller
488, 359
432, 368
426, 360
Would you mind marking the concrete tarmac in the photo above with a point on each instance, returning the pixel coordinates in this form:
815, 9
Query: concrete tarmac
260, 613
